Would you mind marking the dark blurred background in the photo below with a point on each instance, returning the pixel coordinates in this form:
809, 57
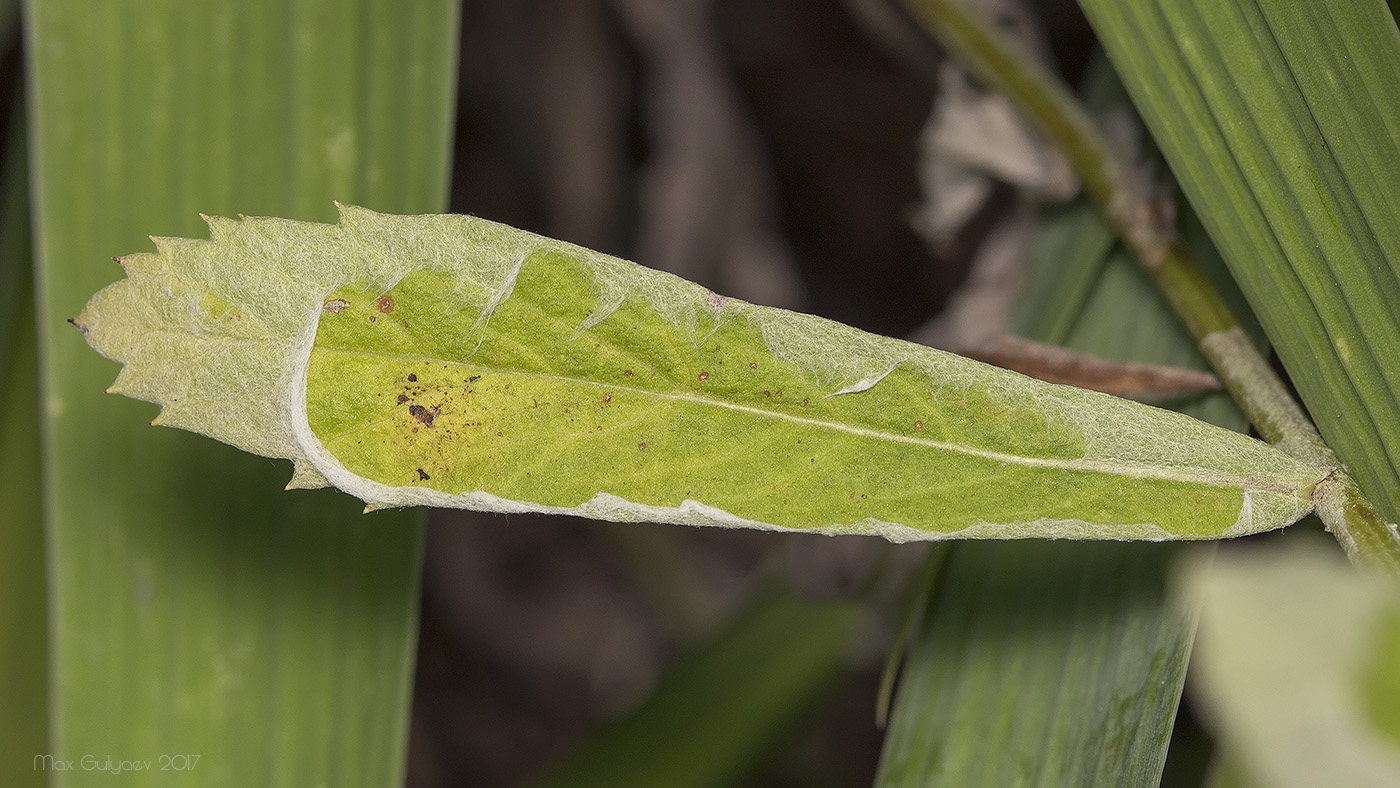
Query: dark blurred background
766, 149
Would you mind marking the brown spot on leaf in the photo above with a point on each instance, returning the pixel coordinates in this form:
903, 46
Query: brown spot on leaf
371, 318
384, 303
642, 445
703, 375
423, 477
918, 425
627, 373
403, 398
422, 414
607, 397
412, 378
752, 365
335, 306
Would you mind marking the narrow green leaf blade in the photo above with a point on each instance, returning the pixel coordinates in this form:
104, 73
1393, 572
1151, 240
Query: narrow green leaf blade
1061, 665
1040, 665
449, 361
249, 636
1281, 121
23, 612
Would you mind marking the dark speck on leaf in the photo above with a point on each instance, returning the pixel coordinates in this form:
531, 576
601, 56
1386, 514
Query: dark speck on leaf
422, 414
473, 378
412, 378
403, 398
423, 477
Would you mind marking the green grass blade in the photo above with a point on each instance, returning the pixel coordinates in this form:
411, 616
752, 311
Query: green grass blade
23, 614
450, 361
725, 705
1070, 253
1041, 664
1057, 664
198, 610
1281, 120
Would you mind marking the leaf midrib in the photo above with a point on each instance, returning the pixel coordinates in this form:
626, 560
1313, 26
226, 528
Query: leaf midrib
1124, 468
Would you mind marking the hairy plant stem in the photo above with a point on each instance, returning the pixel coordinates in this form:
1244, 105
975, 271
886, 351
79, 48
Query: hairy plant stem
1132, 205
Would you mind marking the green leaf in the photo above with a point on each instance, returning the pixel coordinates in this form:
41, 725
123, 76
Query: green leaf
23, 624
1281, 120
450, 361
1067, 258
196, 611
1041, 664
1295, 666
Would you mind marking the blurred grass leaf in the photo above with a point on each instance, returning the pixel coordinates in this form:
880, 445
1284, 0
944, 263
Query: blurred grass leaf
23, 613
196, 612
